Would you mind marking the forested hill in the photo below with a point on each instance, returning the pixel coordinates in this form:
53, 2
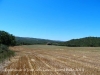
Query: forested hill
81, 42
32, 41
84, 42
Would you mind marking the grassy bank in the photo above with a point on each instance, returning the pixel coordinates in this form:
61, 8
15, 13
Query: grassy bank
5, 53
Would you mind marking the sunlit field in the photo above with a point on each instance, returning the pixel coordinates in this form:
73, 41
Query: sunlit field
53, 60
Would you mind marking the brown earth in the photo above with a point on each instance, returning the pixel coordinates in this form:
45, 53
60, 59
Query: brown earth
53, 61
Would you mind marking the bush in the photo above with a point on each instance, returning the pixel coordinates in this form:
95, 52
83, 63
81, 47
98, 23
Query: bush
5, 53
3, 47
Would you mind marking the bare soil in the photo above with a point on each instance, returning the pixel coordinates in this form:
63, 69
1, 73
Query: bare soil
53, 60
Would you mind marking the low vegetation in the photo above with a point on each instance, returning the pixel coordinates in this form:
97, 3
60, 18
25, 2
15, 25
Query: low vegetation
6, 40
5, 53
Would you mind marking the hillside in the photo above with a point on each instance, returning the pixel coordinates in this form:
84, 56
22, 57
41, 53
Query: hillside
81, 42
84, 42
31, 41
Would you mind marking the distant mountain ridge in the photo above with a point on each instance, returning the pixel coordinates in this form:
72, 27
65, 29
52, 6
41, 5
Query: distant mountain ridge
81, 42
29, 41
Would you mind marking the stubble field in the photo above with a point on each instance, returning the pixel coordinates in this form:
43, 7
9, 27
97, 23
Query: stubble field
53, 60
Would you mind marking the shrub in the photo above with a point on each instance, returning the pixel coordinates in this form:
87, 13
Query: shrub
5, 53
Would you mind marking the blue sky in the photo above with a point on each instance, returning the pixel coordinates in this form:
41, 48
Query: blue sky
51, 19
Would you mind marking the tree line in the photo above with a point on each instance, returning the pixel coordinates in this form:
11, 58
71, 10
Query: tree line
10, 40
83, 42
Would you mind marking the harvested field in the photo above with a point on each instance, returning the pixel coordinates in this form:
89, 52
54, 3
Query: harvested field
53, 60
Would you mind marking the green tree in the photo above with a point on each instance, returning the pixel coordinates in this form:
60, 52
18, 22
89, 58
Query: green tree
7, 39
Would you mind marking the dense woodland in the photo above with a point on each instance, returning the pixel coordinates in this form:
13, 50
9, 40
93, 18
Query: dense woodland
83, 42
10, 40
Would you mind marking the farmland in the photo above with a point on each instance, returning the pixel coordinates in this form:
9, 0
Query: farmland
53, 60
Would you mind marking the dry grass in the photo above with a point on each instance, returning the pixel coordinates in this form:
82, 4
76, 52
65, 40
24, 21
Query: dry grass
53, 60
